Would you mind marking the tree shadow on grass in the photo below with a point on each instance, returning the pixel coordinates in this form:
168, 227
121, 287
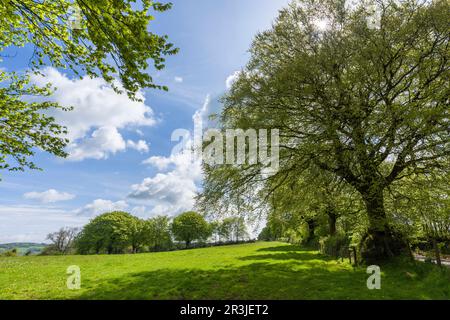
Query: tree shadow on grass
259, 281
287, 252
310, 276
300, 256
286, 248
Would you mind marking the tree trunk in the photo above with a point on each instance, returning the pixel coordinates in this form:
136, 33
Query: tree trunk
379, 243
332, 218
311, 230
188, 243
436, 251
410, 252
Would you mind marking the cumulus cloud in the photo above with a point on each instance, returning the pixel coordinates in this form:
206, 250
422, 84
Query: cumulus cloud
178, 79
101, 206
231, 79
140, 145
102, 142
98, 116
139, 211
49, 196
173, 189
33, 223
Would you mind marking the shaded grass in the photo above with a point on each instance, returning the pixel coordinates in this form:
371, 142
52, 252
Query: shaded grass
251, 271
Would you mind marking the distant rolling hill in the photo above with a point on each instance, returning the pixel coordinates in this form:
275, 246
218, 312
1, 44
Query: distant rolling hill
23, 247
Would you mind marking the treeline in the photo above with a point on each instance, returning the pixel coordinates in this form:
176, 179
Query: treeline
362, 109
120, 232
330, 216
21, 248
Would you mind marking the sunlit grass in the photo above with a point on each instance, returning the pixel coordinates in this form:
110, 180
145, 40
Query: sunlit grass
251, 271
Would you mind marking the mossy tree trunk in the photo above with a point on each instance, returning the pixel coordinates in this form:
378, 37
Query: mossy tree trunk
332, 220
379, 243
311, 230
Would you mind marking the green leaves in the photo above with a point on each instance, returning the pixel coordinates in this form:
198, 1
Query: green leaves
111, 232
95, 38
157, 233
366, 104
190, 226
112, 38
24, 126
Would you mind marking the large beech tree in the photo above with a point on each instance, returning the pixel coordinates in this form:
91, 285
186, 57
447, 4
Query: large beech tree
365, 100
97, 38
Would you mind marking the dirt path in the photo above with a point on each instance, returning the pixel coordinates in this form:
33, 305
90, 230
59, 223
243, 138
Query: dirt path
445, 262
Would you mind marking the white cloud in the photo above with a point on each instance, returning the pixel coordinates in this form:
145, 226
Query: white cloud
178, 79
33, 223
169, 193
140, 146
102, 142
161, 163
49, 196
139, 211
98, 111
173, 189
101, 206
200, 117
231, 79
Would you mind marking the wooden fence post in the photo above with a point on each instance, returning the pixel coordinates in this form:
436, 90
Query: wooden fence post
354, 256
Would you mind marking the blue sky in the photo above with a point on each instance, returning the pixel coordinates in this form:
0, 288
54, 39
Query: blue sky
121, 151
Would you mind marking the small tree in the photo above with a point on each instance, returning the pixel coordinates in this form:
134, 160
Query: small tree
62, 240
110, 232
137, 233
190, 226
157, 233
215, 231
225, 230
266, 234
233, 229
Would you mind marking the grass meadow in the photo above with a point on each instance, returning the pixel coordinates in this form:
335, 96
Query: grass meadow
262, 270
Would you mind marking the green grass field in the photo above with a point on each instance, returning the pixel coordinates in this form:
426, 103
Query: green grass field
251, 271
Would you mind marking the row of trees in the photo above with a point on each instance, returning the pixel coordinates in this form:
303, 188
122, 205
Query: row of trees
362, 109
333, 217
120, 232
230, 229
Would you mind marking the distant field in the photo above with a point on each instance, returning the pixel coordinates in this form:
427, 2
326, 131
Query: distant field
23, 247
252, 271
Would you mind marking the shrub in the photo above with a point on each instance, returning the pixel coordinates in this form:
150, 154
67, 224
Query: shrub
50, 250
10, 253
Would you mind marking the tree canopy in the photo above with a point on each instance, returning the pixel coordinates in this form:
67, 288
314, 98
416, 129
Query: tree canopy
108, 39
111, 232
157, 232
367, 103
190, 226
